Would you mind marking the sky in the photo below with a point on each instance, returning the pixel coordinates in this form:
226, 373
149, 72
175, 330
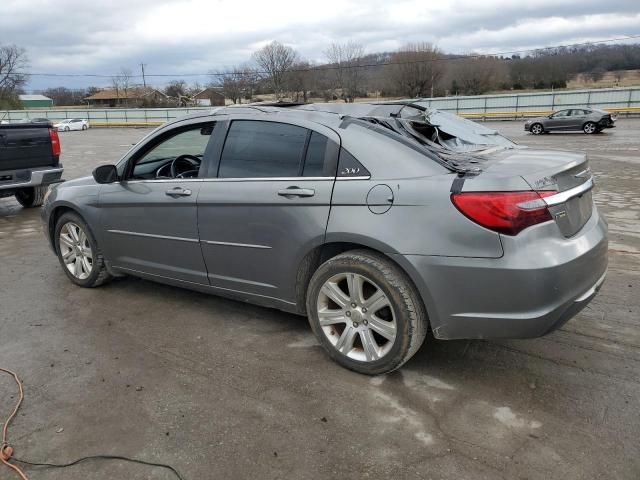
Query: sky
199, 36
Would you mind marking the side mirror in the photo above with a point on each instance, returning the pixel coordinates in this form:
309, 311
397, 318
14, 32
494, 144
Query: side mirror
105, 174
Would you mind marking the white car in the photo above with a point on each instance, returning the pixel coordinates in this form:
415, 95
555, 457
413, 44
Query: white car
72, 124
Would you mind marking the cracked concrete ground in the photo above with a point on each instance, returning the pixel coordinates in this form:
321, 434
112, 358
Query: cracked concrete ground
220, 389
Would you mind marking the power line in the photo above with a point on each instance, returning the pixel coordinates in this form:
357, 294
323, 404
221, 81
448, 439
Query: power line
335, 67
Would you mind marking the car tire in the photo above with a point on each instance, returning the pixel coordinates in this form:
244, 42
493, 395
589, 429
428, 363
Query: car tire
397, 327
66, 129
589, 128
87, 267
536, 129
84, 127
32, 196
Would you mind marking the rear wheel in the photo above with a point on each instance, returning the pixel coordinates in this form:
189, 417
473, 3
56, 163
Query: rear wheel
365, 312
589, 128
78, 252
537, 129
31, 197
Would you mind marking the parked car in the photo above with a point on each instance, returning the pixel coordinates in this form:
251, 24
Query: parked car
72, 124
40, 120
29, 161
378, 221
589, 120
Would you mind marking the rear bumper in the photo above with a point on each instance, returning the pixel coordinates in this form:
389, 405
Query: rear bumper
537, 286
30, 178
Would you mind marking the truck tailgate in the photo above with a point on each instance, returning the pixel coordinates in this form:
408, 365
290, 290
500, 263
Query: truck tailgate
25, 147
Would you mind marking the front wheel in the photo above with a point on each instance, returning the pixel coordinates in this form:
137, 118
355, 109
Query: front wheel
78, 252
365, 312
536, 129
66, 129
589, 128
32, 196
84, 127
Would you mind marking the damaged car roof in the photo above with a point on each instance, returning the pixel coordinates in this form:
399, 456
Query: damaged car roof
454, 142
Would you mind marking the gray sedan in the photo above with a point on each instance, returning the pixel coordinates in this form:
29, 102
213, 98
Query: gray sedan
588, 120
377, 221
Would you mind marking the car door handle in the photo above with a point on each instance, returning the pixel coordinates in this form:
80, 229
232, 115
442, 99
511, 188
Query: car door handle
178, 192
297, 192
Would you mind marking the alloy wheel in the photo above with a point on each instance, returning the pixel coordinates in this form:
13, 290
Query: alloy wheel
357, 317
75, 250
536, 129
589, 128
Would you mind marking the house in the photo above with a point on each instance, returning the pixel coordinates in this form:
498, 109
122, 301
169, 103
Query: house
130, 97
35, 101
209, 97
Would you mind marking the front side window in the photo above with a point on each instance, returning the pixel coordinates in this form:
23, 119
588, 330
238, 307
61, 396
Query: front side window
255, 149
561, 114
178, 156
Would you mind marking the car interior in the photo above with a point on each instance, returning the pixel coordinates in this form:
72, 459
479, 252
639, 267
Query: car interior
176, 156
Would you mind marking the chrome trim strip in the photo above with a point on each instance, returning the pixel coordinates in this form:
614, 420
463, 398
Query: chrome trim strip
562, 197
268, 179
164, 180
364, 177
247, 179
152, 235
35, 180
232, 244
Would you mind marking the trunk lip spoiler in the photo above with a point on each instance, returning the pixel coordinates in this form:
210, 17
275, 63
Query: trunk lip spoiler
563, 197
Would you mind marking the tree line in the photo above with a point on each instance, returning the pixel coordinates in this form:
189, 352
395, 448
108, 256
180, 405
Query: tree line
347, 72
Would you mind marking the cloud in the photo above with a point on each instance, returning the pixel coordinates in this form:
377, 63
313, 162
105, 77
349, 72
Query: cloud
180, 36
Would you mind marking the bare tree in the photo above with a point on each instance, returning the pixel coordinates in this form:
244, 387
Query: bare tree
477, 75
125, 82
300, 81
122, 83
13, 61
346, 60
116, 84
275, 60
416, 69
236, 83
176, 89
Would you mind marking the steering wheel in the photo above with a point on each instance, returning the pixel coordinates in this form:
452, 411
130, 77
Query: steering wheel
191, 161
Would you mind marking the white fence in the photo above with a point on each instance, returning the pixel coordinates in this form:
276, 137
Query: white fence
620, 100
624, 101
104, 117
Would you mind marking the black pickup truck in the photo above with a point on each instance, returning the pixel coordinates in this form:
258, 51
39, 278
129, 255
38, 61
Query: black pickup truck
29, 161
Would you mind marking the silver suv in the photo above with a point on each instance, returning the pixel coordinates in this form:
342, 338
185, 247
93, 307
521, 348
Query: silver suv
378, 222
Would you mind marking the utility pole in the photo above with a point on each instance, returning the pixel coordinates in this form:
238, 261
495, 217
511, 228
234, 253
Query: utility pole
144, 81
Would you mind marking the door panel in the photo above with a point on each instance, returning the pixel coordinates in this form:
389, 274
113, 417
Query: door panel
254, 234
560, 121
151, 226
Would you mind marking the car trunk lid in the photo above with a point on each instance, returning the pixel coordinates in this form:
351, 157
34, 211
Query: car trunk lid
566, 173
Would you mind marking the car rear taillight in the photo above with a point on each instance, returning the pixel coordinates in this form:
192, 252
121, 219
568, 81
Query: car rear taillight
504, 212
55, 142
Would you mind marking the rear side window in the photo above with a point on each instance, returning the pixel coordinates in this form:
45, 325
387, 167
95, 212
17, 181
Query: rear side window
321, 157
262, 149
